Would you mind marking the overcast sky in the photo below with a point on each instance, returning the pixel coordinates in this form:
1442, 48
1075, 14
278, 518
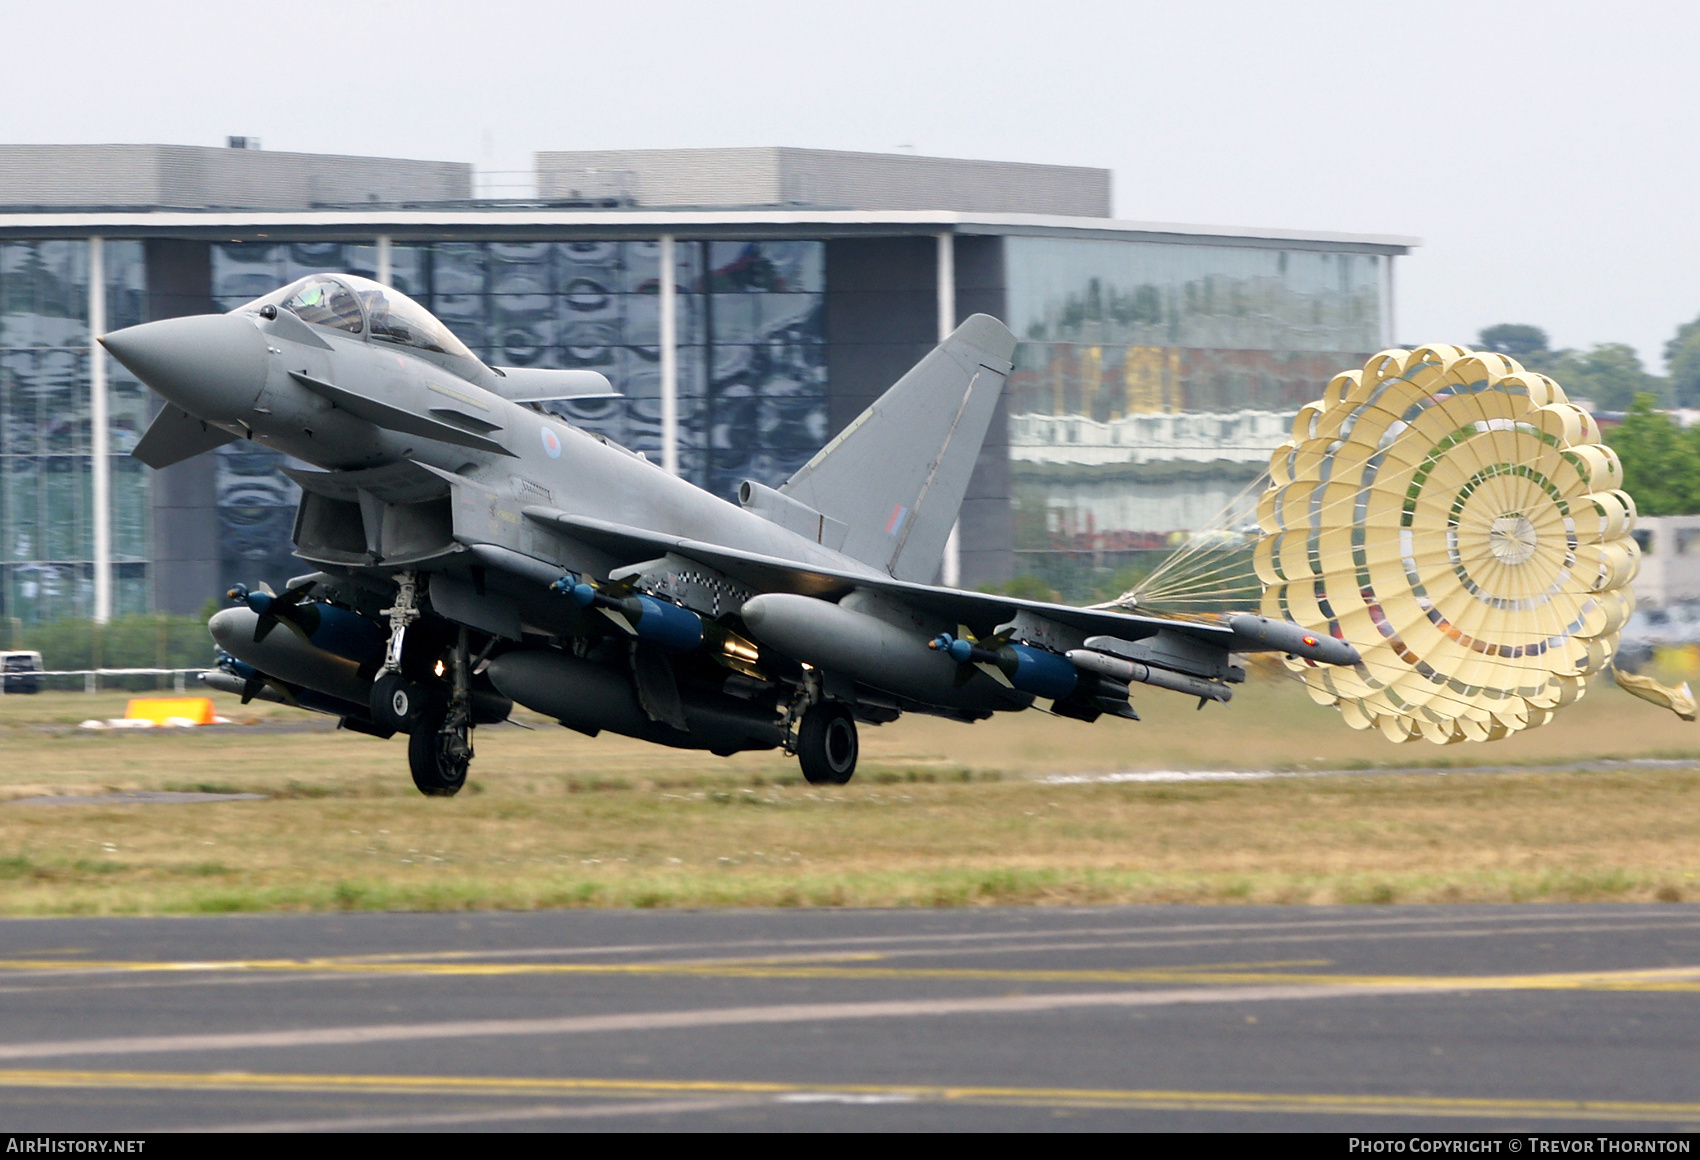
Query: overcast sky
1548, 154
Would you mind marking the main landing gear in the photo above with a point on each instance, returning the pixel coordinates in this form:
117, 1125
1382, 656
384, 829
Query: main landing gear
439, 749
827, 744
439, 754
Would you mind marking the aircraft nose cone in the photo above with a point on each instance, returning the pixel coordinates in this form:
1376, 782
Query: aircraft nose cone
211, 365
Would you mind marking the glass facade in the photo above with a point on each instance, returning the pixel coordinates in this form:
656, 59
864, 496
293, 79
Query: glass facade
46, 484
1151, 383
750, 326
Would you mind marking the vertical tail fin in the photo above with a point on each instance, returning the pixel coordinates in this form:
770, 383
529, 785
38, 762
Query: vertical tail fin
896, 476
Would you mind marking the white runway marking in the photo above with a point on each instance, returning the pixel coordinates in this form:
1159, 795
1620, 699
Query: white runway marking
1169, 775
727, 1017
453, 1119
1346, 928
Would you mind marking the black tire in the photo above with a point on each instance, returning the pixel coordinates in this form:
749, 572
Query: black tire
397, 703
827, 745
435, 772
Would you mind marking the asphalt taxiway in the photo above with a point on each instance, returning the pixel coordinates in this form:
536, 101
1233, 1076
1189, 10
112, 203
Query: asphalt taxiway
1573, 1018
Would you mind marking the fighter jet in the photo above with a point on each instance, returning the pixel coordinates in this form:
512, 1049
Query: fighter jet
472, 550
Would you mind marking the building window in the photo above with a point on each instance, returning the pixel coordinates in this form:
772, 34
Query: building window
46, 494
1150, 386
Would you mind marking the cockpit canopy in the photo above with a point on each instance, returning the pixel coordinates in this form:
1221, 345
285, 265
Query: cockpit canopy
358, 305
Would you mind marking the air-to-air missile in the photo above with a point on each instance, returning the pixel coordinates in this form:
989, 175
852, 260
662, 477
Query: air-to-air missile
1126, 671
473, 550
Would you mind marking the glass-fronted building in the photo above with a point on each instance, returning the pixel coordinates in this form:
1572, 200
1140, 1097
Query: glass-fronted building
47, 548
1157, 365
1152, 382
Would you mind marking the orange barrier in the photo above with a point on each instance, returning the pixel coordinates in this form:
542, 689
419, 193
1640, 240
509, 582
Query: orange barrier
198, 710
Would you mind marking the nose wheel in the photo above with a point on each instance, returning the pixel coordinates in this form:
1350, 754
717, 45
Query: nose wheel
826, 744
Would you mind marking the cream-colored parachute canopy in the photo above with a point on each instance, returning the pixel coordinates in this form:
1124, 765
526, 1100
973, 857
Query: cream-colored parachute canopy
1458, 520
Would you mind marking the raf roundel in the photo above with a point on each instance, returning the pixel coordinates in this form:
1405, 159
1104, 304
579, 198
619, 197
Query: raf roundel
551, 443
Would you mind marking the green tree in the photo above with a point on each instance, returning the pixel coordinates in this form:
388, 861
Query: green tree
1527, 344
1610, 376
1682, 360
1661, 462
1513, 338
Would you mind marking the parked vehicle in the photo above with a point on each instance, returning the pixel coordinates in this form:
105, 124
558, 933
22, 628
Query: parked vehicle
20, 672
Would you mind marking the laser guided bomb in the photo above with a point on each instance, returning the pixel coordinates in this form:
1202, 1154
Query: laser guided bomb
473, 549
325, 626
1030, 670
646, 618
1074, 690
328, 649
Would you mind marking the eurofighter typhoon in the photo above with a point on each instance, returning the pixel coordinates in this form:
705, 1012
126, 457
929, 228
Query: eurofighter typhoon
473, 550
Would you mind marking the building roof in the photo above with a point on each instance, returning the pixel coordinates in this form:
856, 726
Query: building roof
197, 177
243, 194
823, 178
520, 223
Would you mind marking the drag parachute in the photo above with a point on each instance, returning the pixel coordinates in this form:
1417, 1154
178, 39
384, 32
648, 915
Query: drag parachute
1455, 518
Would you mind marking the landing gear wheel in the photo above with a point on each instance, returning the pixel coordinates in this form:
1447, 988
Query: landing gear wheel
438, 760
827, 745
397, 703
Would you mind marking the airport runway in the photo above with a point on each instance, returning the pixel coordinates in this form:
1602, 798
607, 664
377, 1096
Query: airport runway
1574, 1018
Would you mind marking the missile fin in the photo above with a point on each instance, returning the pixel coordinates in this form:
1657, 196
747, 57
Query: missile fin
620, 619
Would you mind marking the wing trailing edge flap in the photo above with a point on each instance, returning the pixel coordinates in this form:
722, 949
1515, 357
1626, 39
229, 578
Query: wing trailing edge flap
981, 611
175, 435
